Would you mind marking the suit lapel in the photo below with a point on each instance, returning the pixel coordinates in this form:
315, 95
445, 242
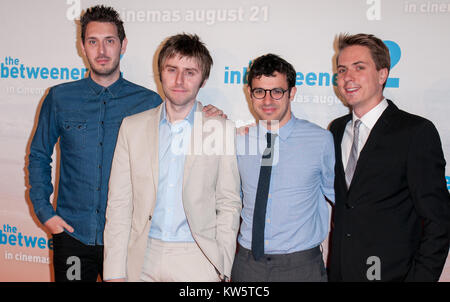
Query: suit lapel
190, 157
338, 147
379, 130
153, 143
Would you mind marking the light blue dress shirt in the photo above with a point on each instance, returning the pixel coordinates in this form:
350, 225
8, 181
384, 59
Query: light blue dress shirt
169, 219
297, 216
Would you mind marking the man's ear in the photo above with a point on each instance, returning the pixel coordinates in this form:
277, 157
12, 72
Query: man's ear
383, 75
82, 48
124, 46
292, 93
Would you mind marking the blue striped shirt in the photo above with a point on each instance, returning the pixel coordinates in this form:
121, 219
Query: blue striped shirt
297, 216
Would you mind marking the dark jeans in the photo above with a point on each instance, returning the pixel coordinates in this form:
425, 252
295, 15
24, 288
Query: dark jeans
75, 261
303, 266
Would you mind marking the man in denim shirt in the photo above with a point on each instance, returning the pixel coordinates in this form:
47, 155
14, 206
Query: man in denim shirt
85, 116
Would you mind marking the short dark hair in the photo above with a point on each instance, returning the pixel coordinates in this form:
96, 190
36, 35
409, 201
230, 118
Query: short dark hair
101, 13
378, 50
186, 45
267, 65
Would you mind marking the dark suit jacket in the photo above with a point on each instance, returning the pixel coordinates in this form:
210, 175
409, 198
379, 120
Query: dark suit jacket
397, 207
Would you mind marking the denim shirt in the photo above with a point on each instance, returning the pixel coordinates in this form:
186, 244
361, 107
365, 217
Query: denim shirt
85, 117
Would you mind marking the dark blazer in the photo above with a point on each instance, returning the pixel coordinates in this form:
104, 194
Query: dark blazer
397, 207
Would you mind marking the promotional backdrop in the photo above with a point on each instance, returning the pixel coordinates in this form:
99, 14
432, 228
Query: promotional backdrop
40, 48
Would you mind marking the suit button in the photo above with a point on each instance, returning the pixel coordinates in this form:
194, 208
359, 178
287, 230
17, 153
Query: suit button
349, 206
150, 217
348, 235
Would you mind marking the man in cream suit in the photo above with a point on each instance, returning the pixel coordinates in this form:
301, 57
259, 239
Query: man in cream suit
174, 205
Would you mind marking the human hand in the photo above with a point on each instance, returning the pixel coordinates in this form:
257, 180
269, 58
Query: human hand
211, 111
244, 129
56, 225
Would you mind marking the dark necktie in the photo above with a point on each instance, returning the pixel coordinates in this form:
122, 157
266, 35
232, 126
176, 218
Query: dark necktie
259, 213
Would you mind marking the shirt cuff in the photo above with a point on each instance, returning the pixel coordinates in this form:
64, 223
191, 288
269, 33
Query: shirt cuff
45, 213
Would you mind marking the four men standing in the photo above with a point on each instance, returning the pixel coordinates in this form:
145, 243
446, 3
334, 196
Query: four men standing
174, 205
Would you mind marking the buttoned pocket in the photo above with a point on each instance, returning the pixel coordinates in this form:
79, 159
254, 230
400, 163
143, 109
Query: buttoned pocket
74, 134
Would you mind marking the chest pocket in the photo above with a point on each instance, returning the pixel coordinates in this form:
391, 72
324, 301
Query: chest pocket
74, 134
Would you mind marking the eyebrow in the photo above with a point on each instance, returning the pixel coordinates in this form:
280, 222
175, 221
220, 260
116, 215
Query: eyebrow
188, 69
269, 88
355, 63
97, 38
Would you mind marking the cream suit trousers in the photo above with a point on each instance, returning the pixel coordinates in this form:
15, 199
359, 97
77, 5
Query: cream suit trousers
176, 262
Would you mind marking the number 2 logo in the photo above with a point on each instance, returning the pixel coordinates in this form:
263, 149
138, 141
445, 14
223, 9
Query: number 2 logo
395, 53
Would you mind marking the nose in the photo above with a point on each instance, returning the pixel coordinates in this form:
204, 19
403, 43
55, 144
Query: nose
268, 98
179, 78
348, 75
101, 48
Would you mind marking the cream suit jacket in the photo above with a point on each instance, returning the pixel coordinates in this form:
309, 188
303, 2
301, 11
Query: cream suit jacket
211, 193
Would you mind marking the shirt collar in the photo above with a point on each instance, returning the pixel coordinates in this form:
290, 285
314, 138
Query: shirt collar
112, 89
284, 132
370, 118
189, 118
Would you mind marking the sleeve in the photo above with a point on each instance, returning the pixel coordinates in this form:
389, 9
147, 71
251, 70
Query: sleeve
328, 162
228, 202
426, 180
118, 211
40, 158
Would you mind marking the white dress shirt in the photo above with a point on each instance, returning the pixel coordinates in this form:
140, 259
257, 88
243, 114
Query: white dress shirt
368, 120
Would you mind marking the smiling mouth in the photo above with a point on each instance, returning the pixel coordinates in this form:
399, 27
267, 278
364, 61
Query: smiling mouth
351, 90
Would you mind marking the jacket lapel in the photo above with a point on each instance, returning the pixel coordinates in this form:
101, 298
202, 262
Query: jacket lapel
153, 143
338, 147
379, 130
190, 157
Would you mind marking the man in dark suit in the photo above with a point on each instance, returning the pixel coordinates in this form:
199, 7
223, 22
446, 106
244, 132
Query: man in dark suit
392, 212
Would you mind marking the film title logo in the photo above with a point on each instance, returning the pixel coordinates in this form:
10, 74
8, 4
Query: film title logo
10, 236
